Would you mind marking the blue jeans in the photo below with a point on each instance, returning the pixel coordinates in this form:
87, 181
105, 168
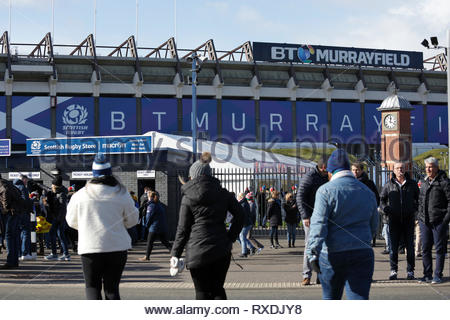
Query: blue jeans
433, 234
58, 228
385, 234
351, 269
12, 236
244, 241
291, 230
25, 234
274, 234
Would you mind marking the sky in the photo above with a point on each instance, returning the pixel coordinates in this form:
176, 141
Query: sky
381, 24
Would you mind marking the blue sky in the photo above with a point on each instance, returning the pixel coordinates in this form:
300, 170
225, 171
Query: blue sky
381, 24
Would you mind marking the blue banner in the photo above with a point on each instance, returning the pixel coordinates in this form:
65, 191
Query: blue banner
89, 145
276, 121
238, 120
206, 116
30, 118
75, 116
346, 122
417, 128
304, 53
159, 115
5, 147
2, 117
437, 123
372, 119
311, 121
117, 116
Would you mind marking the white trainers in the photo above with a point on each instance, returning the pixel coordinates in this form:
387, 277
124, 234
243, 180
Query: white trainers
64, 257
26, 257
51, 257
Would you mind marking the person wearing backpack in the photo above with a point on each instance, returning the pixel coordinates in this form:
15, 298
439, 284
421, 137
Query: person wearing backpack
24, 223
57, 200
12, 207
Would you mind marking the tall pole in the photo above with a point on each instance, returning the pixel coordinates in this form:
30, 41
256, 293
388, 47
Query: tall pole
194, 105
53, 21
448, 93
175, 19
95, 21
9, 32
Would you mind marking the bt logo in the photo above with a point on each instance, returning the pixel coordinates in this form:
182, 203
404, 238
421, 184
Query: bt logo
304, 53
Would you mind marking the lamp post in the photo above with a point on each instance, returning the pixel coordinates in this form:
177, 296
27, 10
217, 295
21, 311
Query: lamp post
194, 105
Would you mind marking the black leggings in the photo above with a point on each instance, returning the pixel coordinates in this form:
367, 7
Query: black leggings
209, 279
151, 238
106, 267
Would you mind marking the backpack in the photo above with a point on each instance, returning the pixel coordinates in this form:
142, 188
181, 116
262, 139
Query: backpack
11, 198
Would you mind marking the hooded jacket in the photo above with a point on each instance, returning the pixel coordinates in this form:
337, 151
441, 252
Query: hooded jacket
102, 214
290, 207
400, 203
434, 200
306, 194
201, 225
155, 219
274, 212
25, 193
57, 204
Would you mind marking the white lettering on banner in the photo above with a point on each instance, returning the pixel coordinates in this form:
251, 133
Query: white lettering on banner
273, 122
389, 58
370, 56
145, 174
440, 125
291, 52
200, 124
82, 174
405, 60
117, 117
377, 122
412, 118
346, 123
352, 55
378, 58
321, 55
314, 122
32, 175
278, 53
233, 122
362, 58
159, 114
343, 56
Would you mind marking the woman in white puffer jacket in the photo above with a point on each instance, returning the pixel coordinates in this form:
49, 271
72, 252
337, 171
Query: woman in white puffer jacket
102, 212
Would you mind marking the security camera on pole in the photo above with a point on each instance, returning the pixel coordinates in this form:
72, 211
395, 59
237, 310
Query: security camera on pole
197, 61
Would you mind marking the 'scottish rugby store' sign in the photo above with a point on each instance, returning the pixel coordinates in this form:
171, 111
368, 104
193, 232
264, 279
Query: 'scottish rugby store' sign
282, 52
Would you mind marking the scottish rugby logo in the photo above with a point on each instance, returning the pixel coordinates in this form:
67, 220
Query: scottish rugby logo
36, 145
75, 114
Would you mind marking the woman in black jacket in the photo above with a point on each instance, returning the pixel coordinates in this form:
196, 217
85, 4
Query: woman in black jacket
290, 207
201, 228
274, 217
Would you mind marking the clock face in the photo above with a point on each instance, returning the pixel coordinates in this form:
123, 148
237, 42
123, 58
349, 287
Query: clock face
390, 121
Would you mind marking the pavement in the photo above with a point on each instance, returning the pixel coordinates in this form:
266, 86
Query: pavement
273, 274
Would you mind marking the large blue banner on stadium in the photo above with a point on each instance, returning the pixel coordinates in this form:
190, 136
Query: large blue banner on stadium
159, 115
2, 117
276, 121
238, 120
89, 145
74, 116
417, 128
346, 122
30, 118
372, 119
206, 116
437, 124
311, 121
117, 116
305, 53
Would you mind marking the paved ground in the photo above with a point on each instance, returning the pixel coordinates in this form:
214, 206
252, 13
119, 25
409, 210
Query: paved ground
274, 274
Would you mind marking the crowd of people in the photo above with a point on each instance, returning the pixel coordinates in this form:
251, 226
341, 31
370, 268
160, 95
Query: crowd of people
337, 204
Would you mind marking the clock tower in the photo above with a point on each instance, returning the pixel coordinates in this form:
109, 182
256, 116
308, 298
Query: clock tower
396, 139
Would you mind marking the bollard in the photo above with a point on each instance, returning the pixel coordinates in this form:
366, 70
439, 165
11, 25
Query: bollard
33, 235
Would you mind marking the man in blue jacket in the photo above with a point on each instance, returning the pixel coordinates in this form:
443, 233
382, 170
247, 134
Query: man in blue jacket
344, 220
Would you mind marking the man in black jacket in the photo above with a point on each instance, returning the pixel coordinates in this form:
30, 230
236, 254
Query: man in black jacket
306, 196
361, 176
434, 217
399, 201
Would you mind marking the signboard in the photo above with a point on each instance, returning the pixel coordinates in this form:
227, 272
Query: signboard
417, 124
206, 116
89, 145
30, 118
159, 115
82, 175
146, 174
311, 121
5, 147
437, 124
276, 120
346, 122
283, 52
32, 175
74, 116
117, 116
238, 120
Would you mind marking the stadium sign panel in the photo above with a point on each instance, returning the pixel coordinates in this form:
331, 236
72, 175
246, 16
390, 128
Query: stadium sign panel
5, 147
89, 145
282, 52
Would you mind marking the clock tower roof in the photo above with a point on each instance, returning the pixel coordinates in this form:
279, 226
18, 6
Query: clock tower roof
395, 102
